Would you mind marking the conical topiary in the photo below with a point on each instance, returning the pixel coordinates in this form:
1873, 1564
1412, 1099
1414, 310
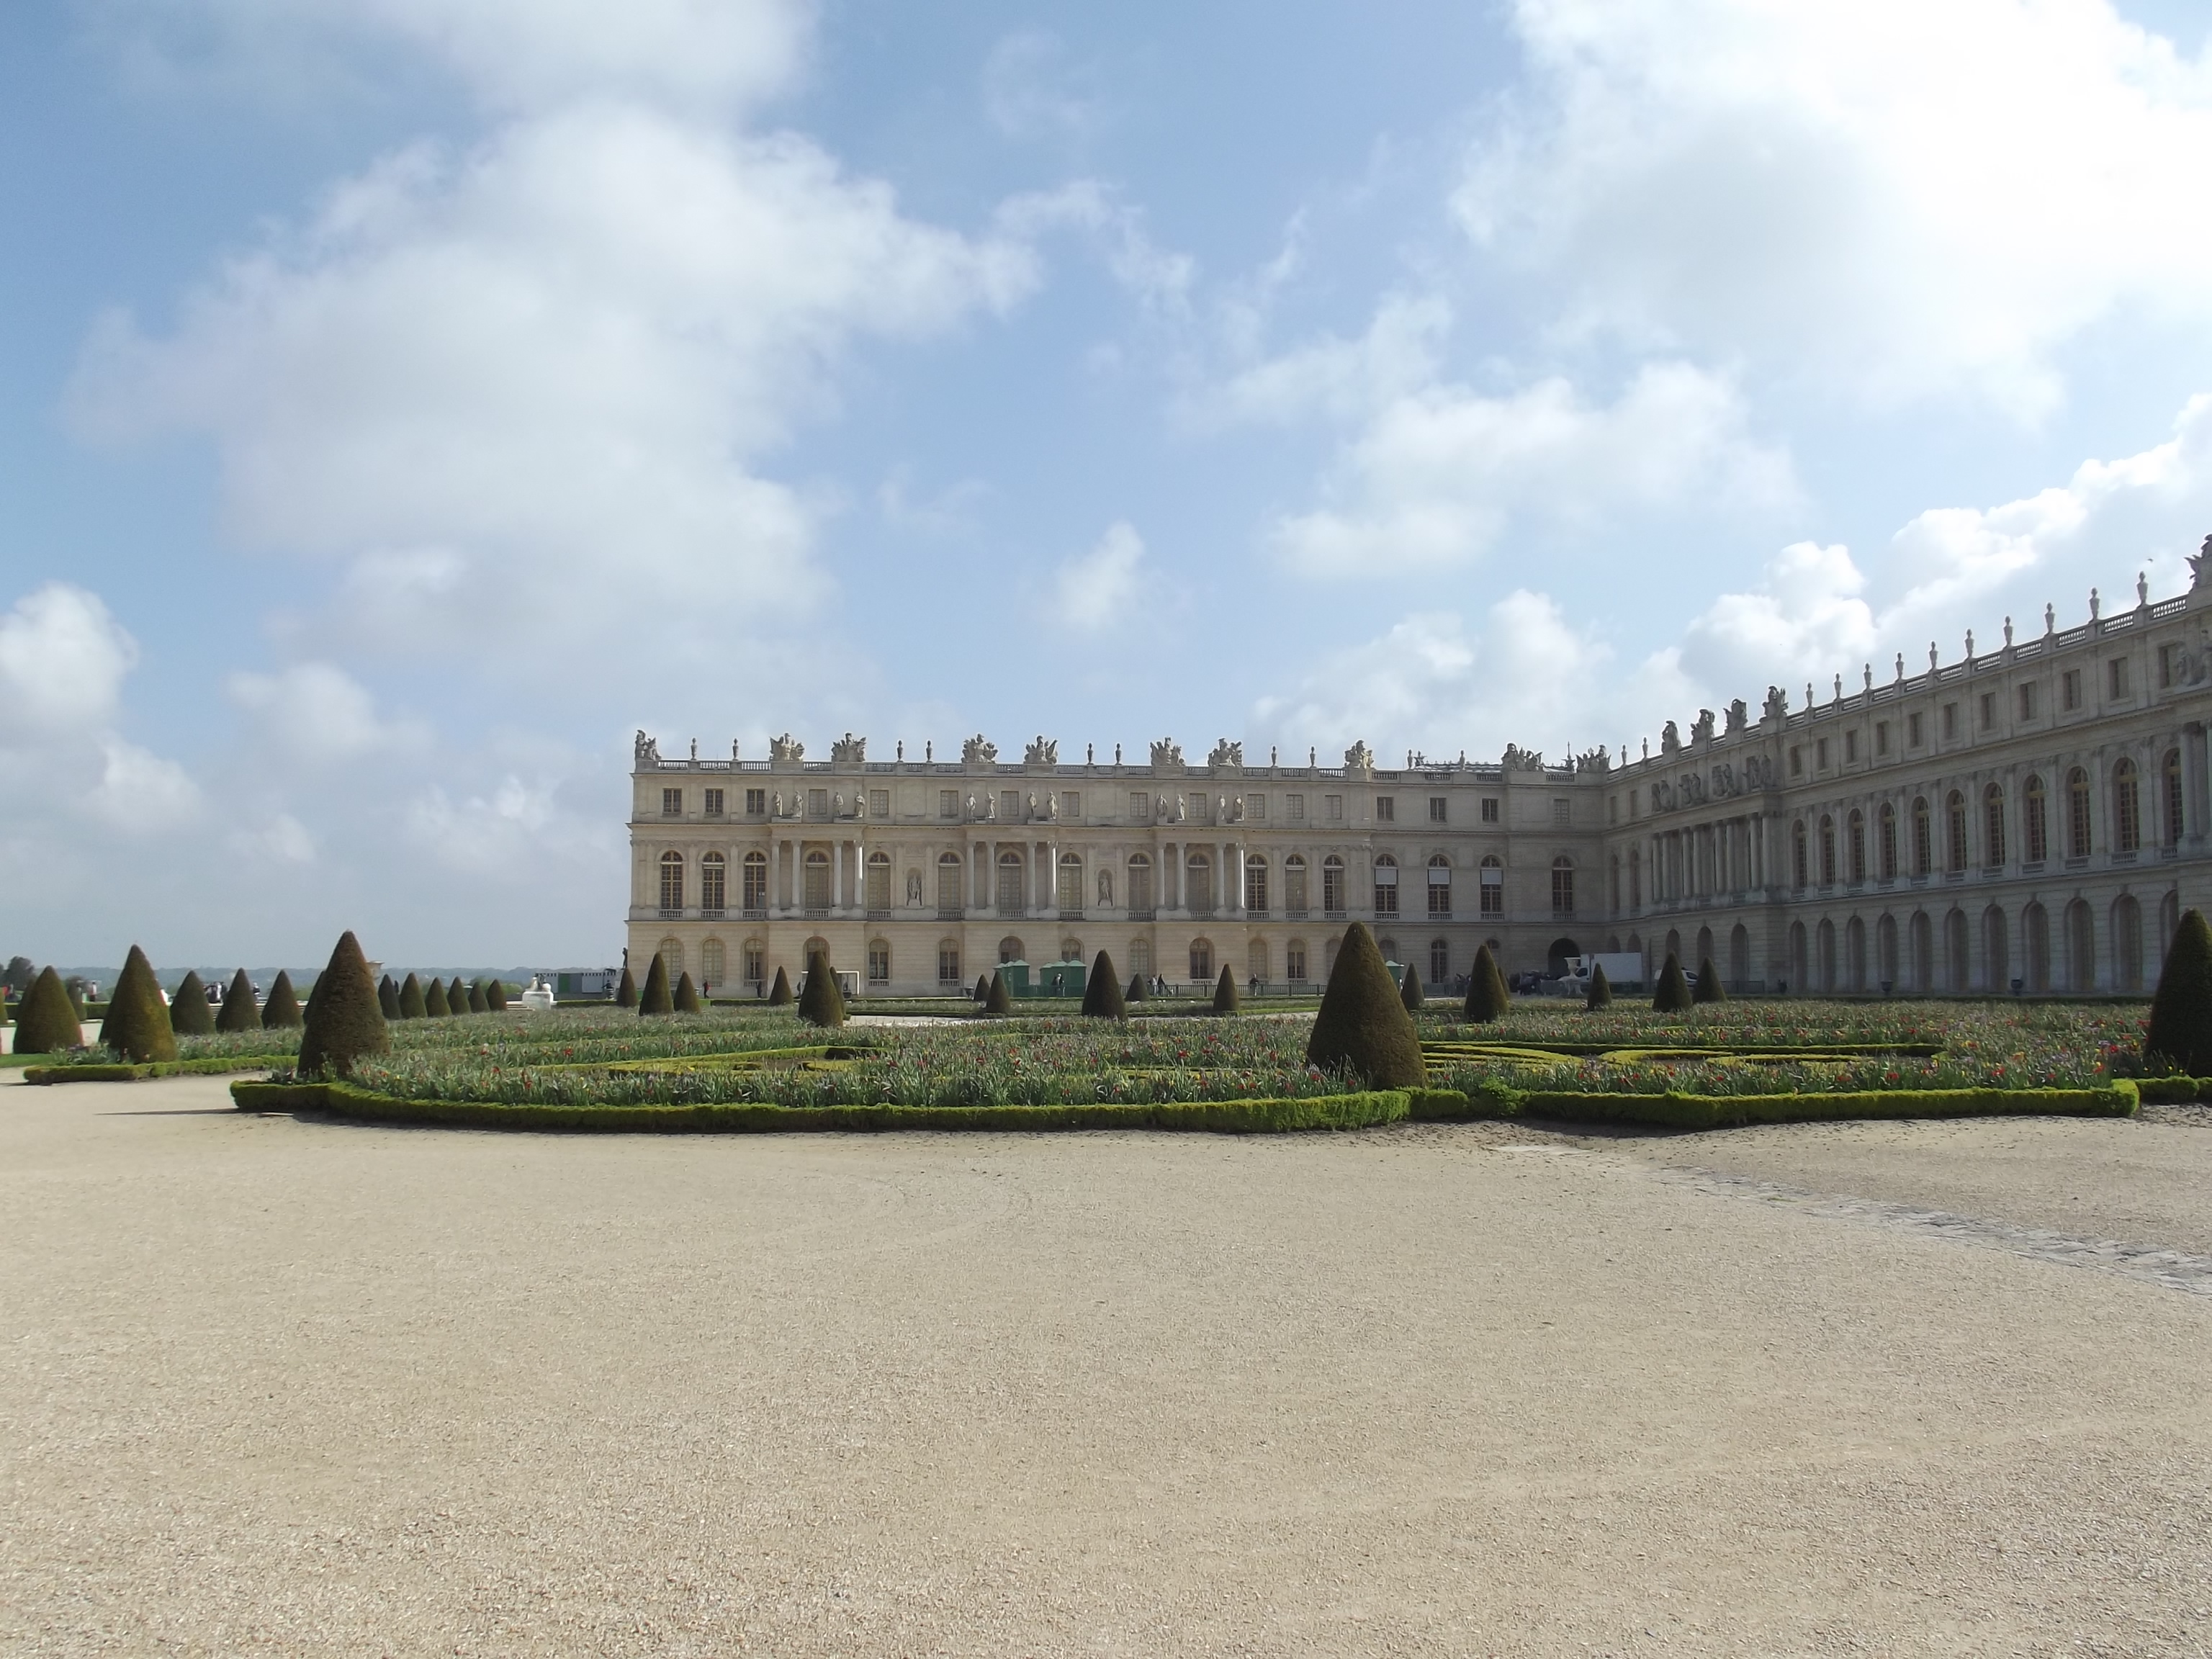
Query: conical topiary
1599, 994
1226, 999
820, 1001
189, 1013
995, 1001
344, 1020
1409, 989
1139, 990
626, 992
687, 994
1101, 991
656, 998
457, 997
984, 987
1363, 1027
1672, 994
779, 994
1709, 987
387, 997
412, 1005
496, 996
240, 1011
433, 998
46, 1023
1486, 989
137, 1023
280, 1009
2180, 1032
478, 1003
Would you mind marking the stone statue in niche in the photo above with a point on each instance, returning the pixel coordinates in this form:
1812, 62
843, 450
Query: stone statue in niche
786, 750
1693, 789
1051, 808
1033, 814
849, 748
1662, 796
775, 804
646, 750
978, 751
1106, 887
1042, 751
914, 890
1166, 752
860, 805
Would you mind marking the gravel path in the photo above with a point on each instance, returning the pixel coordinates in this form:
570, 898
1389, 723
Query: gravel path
271, 1385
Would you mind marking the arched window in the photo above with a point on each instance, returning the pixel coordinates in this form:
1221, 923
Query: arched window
1198, 884
879, 883
1491, 879
1294, 887
1201, 960
1294, 962
1854, 846
1071, 884
1386, 886
755, 887
1332, 885
1070, 950
879, 962
2127, 808
1141, 888
2170, 774
1439, 885
1827, 851
1439, 960
1009, 950
1954, 832
1255, 960
2034, 823
1256, 889
1388, 947
817, 881
1797, 872
713, 965
951, 877
1888, 835
2077, 815
1993, 829
713, 888
1328, 957
1012, 871
672, 882
671, 953
1923, 841
1563, 886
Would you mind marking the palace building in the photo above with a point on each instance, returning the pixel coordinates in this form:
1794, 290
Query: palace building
2028, 818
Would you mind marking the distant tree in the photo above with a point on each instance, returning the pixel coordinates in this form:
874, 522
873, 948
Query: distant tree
1709, 987
626, 992
1101, 991
1487, 1000
280, 1009
413, 1005
1409, 989
1363, 1026
47, 1023
821, 1000
2180, 1031
656, 998
1226, 999
387, 997
687, 994
780, 994
189, 1012
1599, 994
995, 1001
137, 1023
18, 976
1671, 995
240, 1011
343, 1021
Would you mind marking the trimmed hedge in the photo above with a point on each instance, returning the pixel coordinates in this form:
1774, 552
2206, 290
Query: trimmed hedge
45, 1022
190, 1014
2181, 1029
1486, 998
1363, 1027
280, 1009
120, 1073
1684, 1111
656, 998
1101, 991
1351, 1111
1226, 999
137, 1023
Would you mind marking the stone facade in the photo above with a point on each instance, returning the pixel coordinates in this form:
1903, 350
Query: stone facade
2034, 814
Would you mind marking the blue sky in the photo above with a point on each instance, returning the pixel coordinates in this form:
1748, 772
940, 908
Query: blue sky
404, 401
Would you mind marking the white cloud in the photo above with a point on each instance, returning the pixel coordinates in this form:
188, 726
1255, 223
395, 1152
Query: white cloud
1892, 196
1032, 90
316, 711
139, 792
1093, 591
1159, 277
282, 839
1399, 356
520, 391
62, 659
1438, 475
514, 832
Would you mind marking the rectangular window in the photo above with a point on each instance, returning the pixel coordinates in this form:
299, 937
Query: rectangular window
1950, 721
2115, 675
1294, 961
1010, 805
1255, 887
1563, 890
2027, 701
948, 964
2069, 689
1386, 890
756, 883
1563, 810
948, 803
817, 806
1437, 814
1071, 804
1492, 886
879, 964
756, 803
672, 803
713, 803
2165, 666
712, 874
1255, 808
1820, 755
1797, 762
1989, 711
1850, 746
1333, 808
1912, 733
1881, 737
879, 803
755, 964
1297, 808
1386, 809
1490, 809
1440, 890
1140, 807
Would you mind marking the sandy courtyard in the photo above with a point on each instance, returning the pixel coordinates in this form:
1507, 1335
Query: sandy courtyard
274, 1386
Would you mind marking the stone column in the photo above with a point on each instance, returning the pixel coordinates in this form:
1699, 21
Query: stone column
836, 875
990, 904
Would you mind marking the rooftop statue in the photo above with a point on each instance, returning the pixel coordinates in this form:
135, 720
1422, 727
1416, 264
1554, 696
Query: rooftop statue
1359, 759
1042, 751
1226, 753
850, 748
1738, 716
645, 750
785, 748
1166, 752
1670, 738
978, 750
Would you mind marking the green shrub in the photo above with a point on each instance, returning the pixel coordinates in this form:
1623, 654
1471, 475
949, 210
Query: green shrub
1599, 994
45, 1023
1486, 989
779, 994
821, 1002
1362, 1028
996, 999
137, 1023
1672, 994
1409, 989
189, 1013
1224, 992
1101, 991
1684, 1111
1709, 987
478, 1002
656, 998
344, 1020
433, 998
1138, 990
626, 992
983, 985
280, 1009
457, 997
687, 994
387, 997
2180, 1031
496, 996
240, 1011
412, 1003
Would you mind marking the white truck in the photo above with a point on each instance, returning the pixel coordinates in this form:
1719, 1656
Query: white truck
1624, 971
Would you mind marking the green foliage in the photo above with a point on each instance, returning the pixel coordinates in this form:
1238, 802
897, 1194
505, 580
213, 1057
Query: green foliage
479, 1003
1687, 1111
1671, 995
17, 977
983, 985
995, 1001
2180, 1030
412, 1003
687, 994
434, 1000
344, 1022
496, 996
1487, 999
240, 1011
189, 1013
1138, 990
626, 992
1101, 991
1599, 992
457, 997
47, 1023
1362, 1028
1225, 1000
280, 1009
387, 997
779, 994
1409, 989
820, 1001
1709, 987
656, 998
137, 1023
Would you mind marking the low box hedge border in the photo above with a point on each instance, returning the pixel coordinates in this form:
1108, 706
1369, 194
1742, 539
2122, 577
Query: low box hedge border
121, 1072
1350, 1111
1686, 1111
1581, 1049
2173, 1090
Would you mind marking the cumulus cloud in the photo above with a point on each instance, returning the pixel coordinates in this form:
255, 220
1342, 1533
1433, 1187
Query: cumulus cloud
1897, 198
1159, 277
317, 711
1093, 591
62, 659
